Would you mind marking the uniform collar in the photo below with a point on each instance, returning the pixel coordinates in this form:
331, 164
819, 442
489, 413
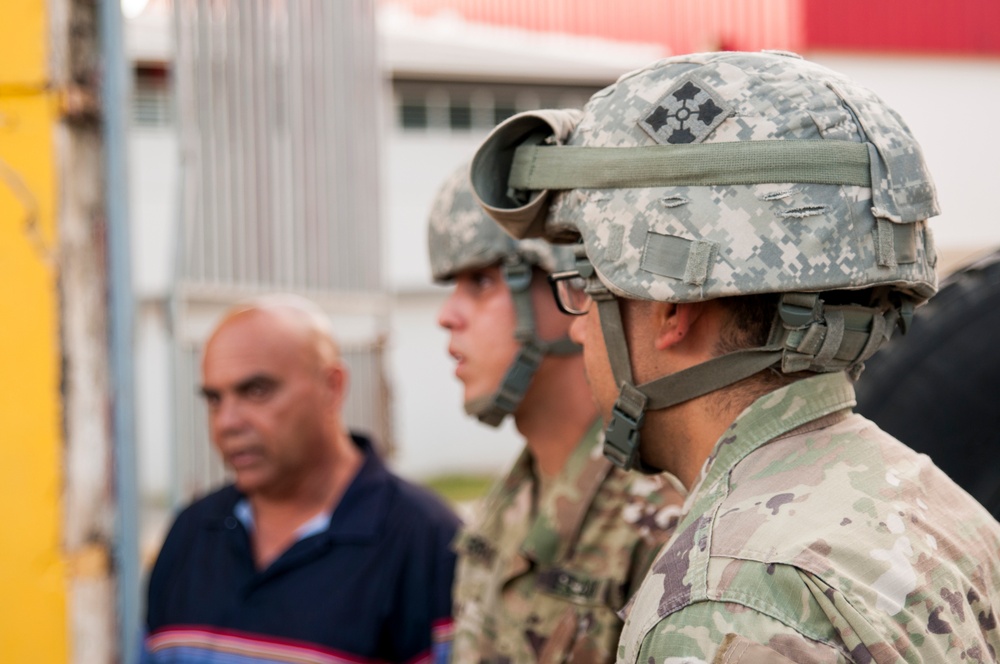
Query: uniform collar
774, 415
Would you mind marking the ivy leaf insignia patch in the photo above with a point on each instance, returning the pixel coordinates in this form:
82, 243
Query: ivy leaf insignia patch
686, 114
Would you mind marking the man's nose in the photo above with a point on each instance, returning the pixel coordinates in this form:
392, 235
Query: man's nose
227, 417
449, 316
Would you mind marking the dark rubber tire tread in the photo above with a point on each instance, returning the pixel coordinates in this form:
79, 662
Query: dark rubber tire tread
937, 389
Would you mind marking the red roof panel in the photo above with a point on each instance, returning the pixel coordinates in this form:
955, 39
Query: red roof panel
956, 27
683, 26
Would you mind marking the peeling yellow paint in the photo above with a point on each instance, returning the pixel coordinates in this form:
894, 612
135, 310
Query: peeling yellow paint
33, 570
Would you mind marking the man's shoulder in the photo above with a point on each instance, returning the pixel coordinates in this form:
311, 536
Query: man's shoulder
838, 490
217, 504
401, 500
710, 630
199, 518
412, 502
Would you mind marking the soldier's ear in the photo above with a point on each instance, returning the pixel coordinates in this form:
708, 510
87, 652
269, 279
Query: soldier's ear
691, 330
672, 322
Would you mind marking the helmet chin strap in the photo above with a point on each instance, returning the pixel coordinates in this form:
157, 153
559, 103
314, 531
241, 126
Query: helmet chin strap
491, 409
806, 335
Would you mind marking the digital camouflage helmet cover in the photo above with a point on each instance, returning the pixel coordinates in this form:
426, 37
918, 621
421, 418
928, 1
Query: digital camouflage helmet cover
724, 174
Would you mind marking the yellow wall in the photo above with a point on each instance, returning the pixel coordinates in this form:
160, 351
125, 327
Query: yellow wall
33, 622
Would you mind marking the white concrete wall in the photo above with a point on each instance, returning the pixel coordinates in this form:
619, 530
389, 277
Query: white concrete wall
153, 212
416, 164
154, 195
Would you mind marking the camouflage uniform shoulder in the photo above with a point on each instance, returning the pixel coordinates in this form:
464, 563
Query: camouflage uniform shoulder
832, 531
486, 529
632, 512
649, 507
553, 595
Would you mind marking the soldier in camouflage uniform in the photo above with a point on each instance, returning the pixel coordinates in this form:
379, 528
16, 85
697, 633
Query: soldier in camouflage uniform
753, 228
561, 542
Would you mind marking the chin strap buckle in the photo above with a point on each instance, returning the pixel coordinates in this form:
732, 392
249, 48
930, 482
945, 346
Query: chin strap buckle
621, 437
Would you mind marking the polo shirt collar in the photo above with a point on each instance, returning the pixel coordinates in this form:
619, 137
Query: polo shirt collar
313, 526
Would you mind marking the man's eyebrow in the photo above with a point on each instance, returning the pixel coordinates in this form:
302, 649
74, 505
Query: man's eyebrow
242, 386
255, 379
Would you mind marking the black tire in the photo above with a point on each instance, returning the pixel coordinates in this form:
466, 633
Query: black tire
937, 389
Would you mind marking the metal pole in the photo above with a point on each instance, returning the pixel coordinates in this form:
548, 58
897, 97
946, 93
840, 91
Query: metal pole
115, 95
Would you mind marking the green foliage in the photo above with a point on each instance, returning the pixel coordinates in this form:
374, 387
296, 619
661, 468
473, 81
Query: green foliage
458, 489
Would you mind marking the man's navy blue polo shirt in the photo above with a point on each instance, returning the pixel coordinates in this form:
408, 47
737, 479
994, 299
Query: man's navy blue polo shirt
374, 586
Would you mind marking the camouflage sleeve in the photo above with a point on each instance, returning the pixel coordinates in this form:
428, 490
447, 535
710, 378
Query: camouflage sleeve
643, 556
709, 632
654, 507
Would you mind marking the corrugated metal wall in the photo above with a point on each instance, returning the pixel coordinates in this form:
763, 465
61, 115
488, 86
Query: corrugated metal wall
278, 121
279, 104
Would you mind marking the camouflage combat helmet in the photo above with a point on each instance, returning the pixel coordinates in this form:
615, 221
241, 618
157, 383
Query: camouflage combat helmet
461, 237
723, 174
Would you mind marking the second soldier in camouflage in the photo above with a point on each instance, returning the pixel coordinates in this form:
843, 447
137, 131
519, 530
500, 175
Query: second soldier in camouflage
562, 541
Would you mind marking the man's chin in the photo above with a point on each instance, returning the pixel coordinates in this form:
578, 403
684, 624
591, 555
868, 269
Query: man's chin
249, 482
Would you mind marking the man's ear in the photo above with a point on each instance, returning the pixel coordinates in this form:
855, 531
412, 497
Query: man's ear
673, 322
337, 380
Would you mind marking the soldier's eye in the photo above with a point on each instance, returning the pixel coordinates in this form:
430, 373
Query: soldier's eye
482, 280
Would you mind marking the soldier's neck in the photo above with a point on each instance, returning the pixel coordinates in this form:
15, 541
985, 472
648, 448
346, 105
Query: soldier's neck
554, 417
679, 439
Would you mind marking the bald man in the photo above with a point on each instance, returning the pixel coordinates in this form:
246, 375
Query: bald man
315, 552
